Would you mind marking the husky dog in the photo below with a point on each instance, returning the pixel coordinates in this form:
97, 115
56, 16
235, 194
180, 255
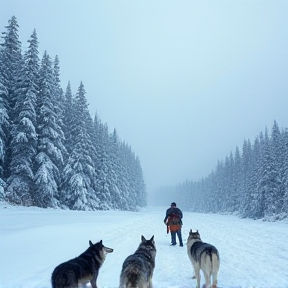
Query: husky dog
79, 271
203, 257
137, 269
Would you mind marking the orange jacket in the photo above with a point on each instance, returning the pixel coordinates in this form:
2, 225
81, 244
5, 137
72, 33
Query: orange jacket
174, 228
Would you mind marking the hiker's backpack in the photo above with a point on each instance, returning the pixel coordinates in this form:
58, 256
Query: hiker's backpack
174, 219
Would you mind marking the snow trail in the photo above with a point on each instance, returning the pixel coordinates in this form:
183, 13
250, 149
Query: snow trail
34, 241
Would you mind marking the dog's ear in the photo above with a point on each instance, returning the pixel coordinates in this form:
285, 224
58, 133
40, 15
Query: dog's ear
152, 238
190, 232
101, 242
90, 243
143, 238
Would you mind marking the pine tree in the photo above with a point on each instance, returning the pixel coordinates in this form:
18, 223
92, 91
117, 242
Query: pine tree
284, 175
238, 176
4, 132
10, 69
245, 203
68, 119
256, 195
140, 186
229, 183
59, 108
260, 205
101, 138
59, 102
113, 172
125, 177
20, 188
49, 147
79, 174
275, 195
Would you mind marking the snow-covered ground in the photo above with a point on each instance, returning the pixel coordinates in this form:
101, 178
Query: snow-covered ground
34, 241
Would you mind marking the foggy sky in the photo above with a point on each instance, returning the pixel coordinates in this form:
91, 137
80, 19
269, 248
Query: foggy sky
183, 82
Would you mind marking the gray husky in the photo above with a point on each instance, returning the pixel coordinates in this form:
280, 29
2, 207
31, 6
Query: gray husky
137, 269
82, 269
203, 257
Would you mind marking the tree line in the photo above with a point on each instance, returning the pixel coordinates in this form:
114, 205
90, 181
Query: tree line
52, 152
251, 183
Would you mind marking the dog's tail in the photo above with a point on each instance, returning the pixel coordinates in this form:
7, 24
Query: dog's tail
130, 277
215, 267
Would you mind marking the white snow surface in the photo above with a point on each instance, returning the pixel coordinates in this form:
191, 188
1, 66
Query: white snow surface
33, 241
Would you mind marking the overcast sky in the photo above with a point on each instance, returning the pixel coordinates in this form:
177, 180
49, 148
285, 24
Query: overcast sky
183, 82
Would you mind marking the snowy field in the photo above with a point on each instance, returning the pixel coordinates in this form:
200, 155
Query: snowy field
34, 241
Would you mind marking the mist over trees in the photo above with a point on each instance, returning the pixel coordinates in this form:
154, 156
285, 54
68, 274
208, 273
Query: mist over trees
251, 183
52, 152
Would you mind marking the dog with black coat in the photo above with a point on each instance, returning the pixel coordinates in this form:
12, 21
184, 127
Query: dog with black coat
82, 269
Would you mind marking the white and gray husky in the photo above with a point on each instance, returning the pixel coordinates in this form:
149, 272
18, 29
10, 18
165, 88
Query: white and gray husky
203, 257
137, 269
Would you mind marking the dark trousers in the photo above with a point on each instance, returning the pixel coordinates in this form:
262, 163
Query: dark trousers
173, 237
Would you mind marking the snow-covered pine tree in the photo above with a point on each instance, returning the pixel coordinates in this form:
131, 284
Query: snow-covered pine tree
256, 201
117, 200
94, 156
101, 138
275, 196
125, 178
267, 181
59, 107
10, 68
4, 131
237, 179
68, 120
79, 173
259, 207
49, 152
217, 195
283, 213
136, 190
228, 183
20, 184
245, 200
202, 188
139, 187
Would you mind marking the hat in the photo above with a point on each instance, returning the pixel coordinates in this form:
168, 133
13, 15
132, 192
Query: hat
173, 204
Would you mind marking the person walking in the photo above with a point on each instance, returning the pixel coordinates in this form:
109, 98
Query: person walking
173, 220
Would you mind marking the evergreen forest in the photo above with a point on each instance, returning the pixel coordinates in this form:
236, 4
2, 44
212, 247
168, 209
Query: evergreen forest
52, 152
250, 183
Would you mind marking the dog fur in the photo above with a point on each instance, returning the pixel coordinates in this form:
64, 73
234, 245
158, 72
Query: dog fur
79, 271
205, 257
137, 269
